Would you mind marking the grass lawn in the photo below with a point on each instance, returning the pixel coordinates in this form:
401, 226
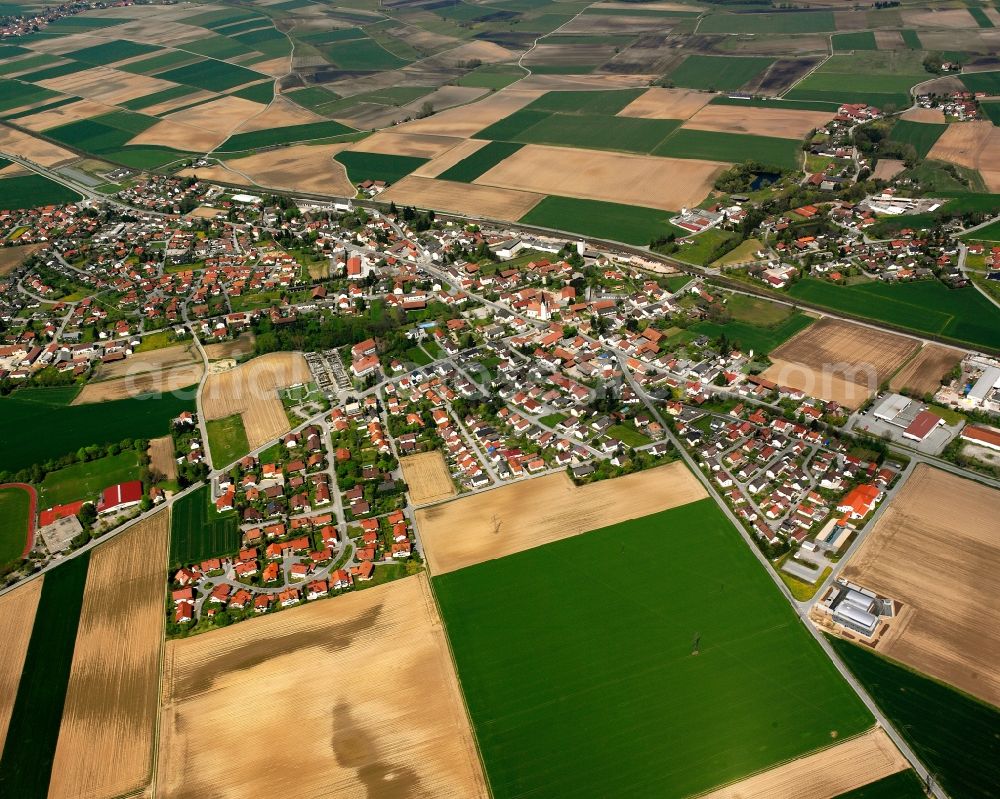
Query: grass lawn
759, 338
156, 341
553, 419
15, 506
756, 310
480, 162
924, 307
954, 734
87, 480
733, 147
720, 73
227, 440
286, 135
743, 252
698, 249
30, 746
650, 672
35, 431
198, 531
418, 356
626, 223
32, 191
378, 166
628, 435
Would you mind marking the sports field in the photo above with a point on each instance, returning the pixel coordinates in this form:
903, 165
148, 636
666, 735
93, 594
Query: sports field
227, 440
198, 531
15, 509
953, 734
666, 663
87, 480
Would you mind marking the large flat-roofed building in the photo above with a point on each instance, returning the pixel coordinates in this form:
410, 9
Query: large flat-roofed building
855, 608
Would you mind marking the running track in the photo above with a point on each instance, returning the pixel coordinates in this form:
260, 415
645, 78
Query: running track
32, 510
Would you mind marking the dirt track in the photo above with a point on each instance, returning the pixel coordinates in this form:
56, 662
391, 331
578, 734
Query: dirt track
936, 550
353, 696
533, 512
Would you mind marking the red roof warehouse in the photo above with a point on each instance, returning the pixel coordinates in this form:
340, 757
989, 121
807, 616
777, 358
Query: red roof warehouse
118, 497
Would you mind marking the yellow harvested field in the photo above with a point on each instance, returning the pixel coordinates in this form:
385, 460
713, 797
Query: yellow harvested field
217, 173
17, 616
664, 183
659, 103
27, 146
105, 746
923, 374
275, 68
82, 109
461, 198
448, 159
303, 167
161, 457
975, 145
839, 361
401, 143
153, 360
158, 381
486, 52
888, 168
449, 97
169, 105
530, 513
935, 550
366, 677
220, 116
950, 18
280, 113
106, 85
159, 31
828, 773
427, 478
251, 390
932, 115
465, 121
180, 137
243, 345
776, 122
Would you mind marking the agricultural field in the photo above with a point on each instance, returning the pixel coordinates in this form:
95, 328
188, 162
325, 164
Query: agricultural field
604, 220
718, 73
807, 22
377, 166
87, 480
67, 428
962, 315
901, 785
933, 550
952, 733
15, 522
974, 145
26, 764
227, 440
30, 191
198, 531
427, 478
105, 745
17, 617
251, 390
886, 78
291, 134
161, 457
681, 688
479, 162
921, 135
784, 123
522, 515
713, 145
839, 361
369, 741
923, 374
757, 337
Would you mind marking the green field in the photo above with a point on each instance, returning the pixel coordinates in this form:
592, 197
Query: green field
377, 166
361, 54
630, 224
216, 76
109, 52
656, 676
227, 440
30, 747
921, 135
258, 93
491, 77
860, 40
923, 307
879, 78
102, 134
901, 785
173, 93
991, 111
198, 531
31, 191
732, 147
287, 135
953, 734
628, 435
14, 94
758, 338
480, 162
990, 233
988, 82
784, 22
156, 63
15, 507
718, 73
980, 17
36, 431
607, 103
87, 480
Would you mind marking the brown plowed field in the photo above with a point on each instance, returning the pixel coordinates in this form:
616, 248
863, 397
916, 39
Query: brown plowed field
530, 513
17, 616
972, 144
105, 746
37, 150
923, 374
106, 85
151, 361
758, 121
349, 697
161, 456
839, 361
461, 198
888, 168
230, 349
64, 114
666, 104
933, 115
951, 18
427, 477
149, 382
13, 257
301, 167
936, 550
415, 144
665, 183
830, 772
251, 390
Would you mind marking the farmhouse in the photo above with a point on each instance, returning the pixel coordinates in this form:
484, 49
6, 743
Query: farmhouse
120, 497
